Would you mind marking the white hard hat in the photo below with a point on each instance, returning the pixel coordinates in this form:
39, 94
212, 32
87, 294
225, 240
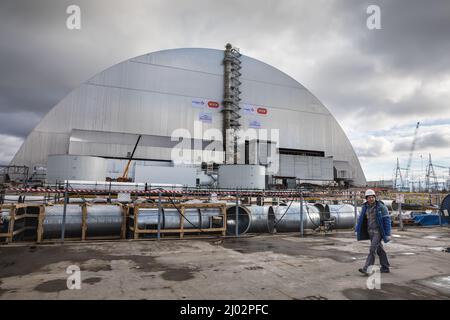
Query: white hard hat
369, 192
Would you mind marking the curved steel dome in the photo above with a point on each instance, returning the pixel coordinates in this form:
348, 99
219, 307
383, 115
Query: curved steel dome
156, 93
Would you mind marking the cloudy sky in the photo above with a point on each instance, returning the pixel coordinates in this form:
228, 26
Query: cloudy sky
377, 83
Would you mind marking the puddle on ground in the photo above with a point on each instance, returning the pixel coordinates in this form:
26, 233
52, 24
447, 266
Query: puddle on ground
52, 286
88, 259
178, 274
390, 291
313, 298
96, 266
291, 248
92, 280
439, 283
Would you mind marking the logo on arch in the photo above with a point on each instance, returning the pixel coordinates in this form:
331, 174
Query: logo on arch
261, 111
213, 104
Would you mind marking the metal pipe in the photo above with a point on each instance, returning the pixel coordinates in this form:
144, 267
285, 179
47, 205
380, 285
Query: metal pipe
322, 211
28, 198
191, 220
148, 218
207, 215
388, 204
239, 225
262, 219
4, 220
288, 218
343, 215
252, 219
102, 220
170, 218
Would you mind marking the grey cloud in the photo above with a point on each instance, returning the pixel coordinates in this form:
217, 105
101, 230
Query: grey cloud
429, 141
413, 38
368, 152
41, 61
18, 124
8, 147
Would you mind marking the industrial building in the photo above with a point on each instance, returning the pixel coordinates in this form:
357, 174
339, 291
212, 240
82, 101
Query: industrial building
150, 99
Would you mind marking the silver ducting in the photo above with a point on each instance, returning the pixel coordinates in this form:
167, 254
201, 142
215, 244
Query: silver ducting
262, 219
102, 220
388, 204
4, 220
343, 215
251, 219
148, 218
243, 220
207, 216
170, 218
25, 199
322, 211
288, 217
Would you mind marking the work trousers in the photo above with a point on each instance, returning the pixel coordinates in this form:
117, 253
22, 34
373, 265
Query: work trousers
376, 247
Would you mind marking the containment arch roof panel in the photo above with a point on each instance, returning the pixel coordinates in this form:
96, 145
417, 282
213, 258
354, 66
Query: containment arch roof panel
153, 95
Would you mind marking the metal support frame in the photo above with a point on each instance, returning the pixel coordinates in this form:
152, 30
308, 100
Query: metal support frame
231, 125
301, 215
237, 215
400, 218
66, 200
158, 236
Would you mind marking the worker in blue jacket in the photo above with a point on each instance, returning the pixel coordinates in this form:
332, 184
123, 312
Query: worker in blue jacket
374, 224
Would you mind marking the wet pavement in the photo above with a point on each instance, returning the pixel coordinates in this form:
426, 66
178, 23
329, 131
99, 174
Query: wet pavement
280, 266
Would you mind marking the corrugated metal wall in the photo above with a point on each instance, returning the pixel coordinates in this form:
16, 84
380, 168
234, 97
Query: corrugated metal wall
305, 167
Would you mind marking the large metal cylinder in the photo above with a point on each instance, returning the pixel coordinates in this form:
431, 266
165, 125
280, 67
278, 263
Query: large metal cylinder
262, 219
4, 220
288, 217
343, 214
25, 199
148, 218
408, 206
252, 219
102, 220
243, 220
324, 215
388, 204
207, 215
170, 218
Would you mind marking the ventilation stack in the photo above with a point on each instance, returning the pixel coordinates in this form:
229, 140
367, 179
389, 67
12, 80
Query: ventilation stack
231, 125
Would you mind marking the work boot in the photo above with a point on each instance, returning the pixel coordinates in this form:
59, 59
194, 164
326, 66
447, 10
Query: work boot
385, 270
363, 271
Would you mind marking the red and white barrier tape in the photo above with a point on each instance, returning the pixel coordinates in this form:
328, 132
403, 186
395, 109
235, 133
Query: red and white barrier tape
154, 192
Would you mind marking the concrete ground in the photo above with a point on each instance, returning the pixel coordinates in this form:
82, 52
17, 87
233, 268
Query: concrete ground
281, 266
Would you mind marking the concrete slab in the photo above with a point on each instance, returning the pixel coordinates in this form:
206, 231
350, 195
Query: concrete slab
281, 266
